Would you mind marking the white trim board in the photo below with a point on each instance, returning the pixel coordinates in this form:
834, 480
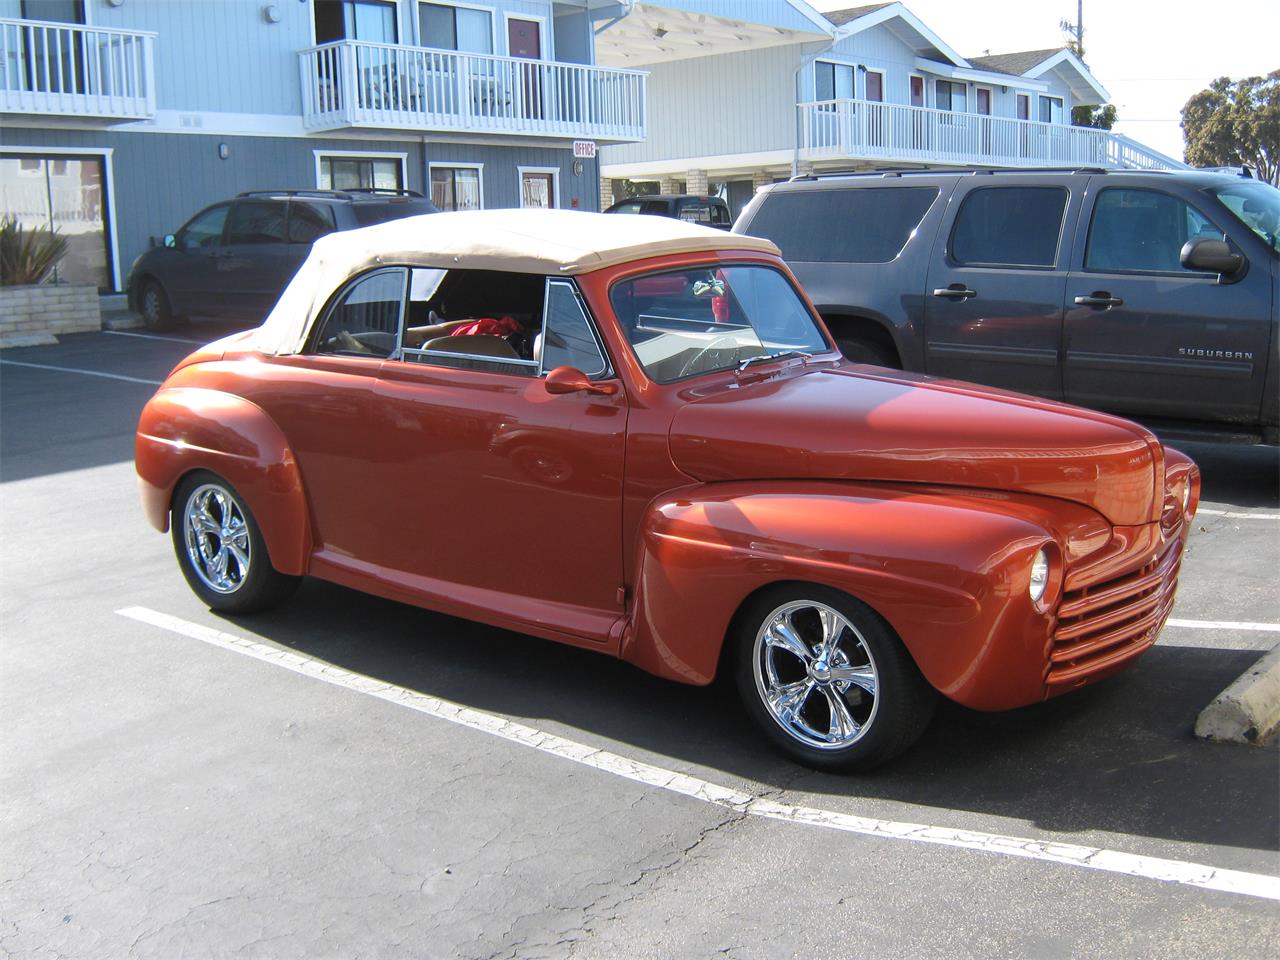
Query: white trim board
715, 166
108, 191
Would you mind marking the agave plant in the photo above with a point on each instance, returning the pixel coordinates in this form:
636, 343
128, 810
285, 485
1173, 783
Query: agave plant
28, 256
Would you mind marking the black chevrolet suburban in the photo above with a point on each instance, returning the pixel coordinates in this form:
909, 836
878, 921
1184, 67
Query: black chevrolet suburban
1151, 295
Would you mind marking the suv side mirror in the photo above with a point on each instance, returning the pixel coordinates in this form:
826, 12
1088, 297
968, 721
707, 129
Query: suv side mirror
1210, 256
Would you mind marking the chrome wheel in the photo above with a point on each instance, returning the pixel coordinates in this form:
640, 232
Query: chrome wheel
151, 307
815, 675
217, 539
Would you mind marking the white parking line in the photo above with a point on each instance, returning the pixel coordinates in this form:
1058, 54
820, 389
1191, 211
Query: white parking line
154, 336
86, 373
1051, 851
1237, 514
1223, 625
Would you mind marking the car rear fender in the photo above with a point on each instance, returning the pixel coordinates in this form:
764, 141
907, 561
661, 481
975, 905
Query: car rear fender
949, 573
186, 429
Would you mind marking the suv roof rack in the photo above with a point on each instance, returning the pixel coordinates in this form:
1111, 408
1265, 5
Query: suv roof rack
1240, 170
965, 171
363, 193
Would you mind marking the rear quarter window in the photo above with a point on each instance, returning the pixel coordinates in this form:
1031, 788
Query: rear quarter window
864, 225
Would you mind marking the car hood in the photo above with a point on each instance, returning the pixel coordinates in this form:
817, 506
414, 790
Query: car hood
847, 424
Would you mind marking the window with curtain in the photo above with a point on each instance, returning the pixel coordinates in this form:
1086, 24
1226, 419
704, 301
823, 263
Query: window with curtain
455, 188
455, 28
360, 173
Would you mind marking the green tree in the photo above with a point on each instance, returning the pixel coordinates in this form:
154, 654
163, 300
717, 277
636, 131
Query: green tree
1102, 116
1236, 122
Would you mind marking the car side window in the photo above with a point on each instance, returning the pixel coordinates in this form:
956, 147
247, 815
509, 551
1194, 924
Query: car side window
631, 206
719, 216
204, 230
309, 221
567, 339
1142, 231
257, 221
1009, 227
364, 321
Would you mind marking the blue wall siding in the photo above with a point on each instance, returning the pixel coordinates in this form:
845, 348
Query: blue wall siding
161, 179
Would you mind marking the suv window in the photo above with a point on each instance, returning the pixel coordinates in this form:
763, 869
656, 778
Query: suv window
257, 221
1143, 231
308, 221
369, 212
365, 319
864, 225
204, 229
1009, 227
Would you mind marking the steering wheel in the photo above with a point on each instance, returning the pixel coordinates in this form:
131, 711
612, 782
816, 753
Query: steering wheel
691, 366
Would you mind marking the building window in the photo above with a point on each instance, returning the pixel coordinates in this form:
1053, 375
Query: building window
950, 96
538, 186
360, 173
371, 20
455, 28
1051, 110
456, 188
834, 81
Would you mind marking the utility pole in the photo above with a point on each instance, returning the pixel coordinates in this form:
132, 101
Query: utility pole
1076, 29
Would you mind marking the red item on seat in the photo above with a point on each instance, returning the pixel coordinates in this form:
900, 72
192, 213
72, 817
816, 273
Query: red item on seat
489, 326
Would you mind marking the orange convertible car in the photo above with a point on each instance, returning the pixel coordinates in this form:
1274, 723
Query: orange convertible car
634, 435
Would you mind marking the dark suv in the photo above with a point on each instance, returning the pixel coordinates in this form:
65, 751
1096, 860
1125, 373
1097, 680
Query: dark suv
234, 258
708, 211
1152, 295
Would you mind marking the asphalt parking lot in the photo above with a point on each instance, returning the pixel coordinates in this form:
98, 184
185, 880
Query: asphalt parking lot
348, 777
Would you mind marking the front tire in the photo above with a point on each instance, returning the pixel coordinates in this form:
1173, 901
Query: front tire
221, 550
153, 304
827, 680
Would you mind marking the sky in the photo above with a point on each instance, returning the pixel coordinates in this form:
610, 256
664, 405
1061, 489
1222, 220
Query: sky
1151, 57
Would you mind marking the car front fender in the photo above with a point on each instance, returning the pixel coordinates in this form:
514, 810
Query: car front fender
186, 429
948, 570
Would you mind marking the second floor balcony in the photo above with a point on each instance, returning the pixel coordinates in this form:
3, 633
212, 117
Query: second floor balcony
869, 130
351, 83
70, 70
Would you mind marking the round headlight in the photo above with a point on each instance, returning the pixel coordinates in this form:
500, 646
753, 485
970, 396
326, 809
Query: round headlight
1039, 575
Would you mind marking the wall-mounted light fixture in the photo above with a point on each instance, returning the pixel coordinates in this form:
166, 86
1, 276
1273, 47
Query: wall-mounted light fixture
271, 13
115, 3
223, 151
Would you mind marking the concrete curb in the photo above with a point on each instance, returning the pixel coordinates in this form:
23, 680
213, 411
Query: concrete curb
1248, 711
27, 340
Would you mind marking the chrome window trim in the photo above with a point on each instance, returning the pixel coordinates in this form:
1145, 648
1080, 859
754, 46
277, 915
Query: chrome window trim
418, 352
606, 371
322, 320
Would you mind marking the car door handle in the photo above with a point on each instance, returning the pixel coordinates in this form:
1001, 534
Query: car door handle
1099, 298
956, 291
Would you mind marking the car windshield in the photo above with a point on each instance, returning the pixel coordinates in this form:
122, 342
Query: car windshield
687, 322
1256, 205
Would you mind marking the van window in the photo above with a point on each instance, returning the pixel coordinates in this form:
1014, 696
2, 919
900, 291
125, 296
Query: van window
863, 225
1142, 230
1009, 227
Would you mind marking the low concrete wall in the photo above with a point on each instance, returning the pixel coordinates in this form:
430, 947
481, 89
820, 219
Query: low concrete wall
36, 314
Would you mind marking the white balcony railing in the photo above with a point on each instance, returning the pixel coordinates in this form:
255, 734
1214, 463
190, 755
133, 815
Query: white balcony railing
68, 70
355, 84
860, 129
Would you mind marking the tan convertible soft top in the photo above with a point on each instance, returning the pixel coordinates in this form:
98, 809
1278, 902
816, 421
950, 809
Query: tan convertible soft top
551, 242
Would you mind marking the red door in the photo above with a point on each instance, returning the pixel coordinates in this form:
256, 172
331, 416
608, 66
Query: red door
524, 40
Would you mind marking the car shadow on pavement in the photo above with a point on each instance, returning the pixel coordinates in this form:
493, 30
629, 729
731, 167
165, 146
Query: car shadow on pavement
1118, 757
1244, 476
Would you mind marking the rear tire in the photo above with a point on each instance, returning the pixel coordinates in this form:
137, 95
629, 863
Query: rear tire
153, 304
827, 680
863, 350
221, 550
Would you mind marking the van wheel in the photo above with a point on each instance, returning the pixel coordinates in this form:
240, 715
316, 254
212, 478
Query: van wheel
861, 350
153, 303
827, 680
221, 549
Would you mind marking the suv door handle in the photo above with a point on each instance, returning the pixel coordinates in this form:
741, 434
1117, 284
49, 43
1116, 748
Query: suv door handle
1099, 298
955, 291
